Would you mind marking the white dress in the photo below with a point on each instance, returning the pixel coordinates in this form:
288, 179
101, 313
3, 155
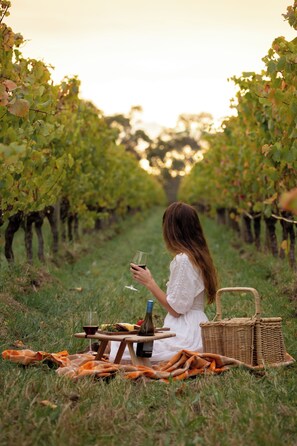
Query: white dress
185, 294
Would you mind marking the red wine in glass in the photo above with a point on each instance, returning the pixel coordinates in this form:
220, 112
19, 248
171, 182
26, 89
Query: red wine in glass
90, 325
141, 266
90, 329
139, 258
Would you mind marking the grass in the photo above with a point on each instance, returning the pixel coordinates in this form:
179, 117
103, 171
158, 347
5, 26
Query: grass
42, 307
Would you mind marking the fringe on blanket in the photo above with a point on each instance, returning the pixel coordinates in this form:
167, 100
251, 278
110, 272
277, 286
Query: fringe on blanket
182, 365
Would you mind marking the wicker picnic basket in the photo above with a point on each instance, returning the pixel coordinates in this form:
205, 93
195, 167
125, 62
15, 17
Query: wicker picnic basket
254, 341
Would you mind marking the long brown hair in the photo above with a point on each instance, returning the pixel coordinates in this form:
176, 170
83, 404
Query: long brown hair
183, 233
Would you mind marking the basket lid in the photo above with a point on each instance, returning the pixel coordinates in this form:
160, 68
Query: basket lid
237, 321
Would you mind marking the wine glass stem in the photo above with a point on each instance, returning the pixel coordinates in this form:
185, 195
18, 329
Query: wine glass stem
90, 345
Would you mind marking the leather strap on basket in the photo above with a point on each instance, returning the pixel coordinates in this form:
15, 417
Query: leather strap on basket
255, 293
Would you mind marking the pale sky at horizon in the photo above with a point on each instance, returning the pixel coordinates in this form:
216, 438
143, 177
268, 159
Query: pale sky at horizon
168, 56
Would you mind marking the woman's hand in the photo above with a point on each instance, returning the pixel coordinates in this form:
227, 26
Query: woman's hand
142, 276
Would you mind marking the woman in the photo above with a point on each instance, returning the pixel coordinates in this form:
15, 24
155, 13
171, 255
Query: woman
192, 278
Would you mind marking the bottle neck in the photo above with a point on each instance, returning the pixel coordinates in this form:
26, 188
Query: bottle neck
149, 306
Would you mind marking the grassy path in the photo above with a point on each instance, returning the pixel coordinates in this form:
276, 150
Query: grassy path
237, 408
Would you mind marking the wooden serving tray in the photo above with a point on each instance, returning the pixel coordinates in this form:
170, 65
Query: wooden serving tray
118, 333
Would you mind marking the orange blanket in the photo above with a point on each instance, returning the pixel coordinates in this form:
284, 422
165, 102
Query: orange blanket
183, 365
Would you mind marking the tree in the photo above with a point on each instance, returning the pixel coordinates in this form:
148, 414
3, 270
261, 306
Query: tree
126, 134
173, 153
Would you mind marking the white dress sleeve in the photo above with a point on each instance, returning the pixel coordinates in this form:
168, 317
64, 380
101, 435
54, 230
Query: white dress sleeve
185, 283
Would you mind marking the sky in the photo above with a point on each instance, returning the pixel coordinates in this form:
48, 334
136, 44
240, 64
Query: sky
169, 56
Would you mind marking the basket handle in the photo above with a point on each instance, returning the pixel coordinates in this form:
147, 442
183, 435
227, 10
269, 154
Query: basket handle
255, 293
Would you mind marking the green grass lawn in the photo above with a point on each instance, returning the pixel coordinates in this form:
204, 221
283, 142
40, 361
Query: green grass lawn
43, 308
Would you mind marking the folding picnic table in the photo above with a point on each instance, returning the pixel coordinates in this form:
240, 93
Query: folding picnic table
125, 340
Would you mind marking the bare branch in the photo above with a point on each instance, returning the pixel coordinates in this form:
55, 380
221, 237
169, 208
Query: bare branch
3, 15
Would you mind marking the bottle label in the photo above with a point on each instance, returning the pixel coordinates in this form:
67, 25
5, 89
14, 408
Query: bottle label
144, 349
147, 347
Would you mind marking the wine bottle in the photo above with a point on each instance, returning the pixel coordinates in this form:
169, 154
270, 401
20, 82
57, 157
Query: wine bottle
145, 349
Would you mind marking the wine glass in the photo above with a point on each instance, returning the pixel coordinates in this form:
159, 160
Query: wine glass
91, 325
140, 259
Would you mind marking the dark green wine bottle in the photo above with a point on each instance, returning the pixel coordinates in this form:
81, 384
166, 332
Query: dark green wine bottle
145, 349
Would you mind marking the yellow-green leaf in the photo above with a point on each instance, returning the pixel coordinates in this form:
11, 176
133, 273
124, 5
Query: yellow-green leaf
284, 245
70, 160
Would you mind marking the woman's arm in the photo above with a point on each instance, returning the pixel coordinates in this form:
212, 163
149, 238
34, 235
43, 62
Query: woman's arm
144, 277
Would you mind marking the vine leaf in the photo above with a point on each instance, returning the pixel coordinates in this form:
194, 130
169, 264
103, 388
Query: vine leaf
19, 108
9, 85
3, 96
